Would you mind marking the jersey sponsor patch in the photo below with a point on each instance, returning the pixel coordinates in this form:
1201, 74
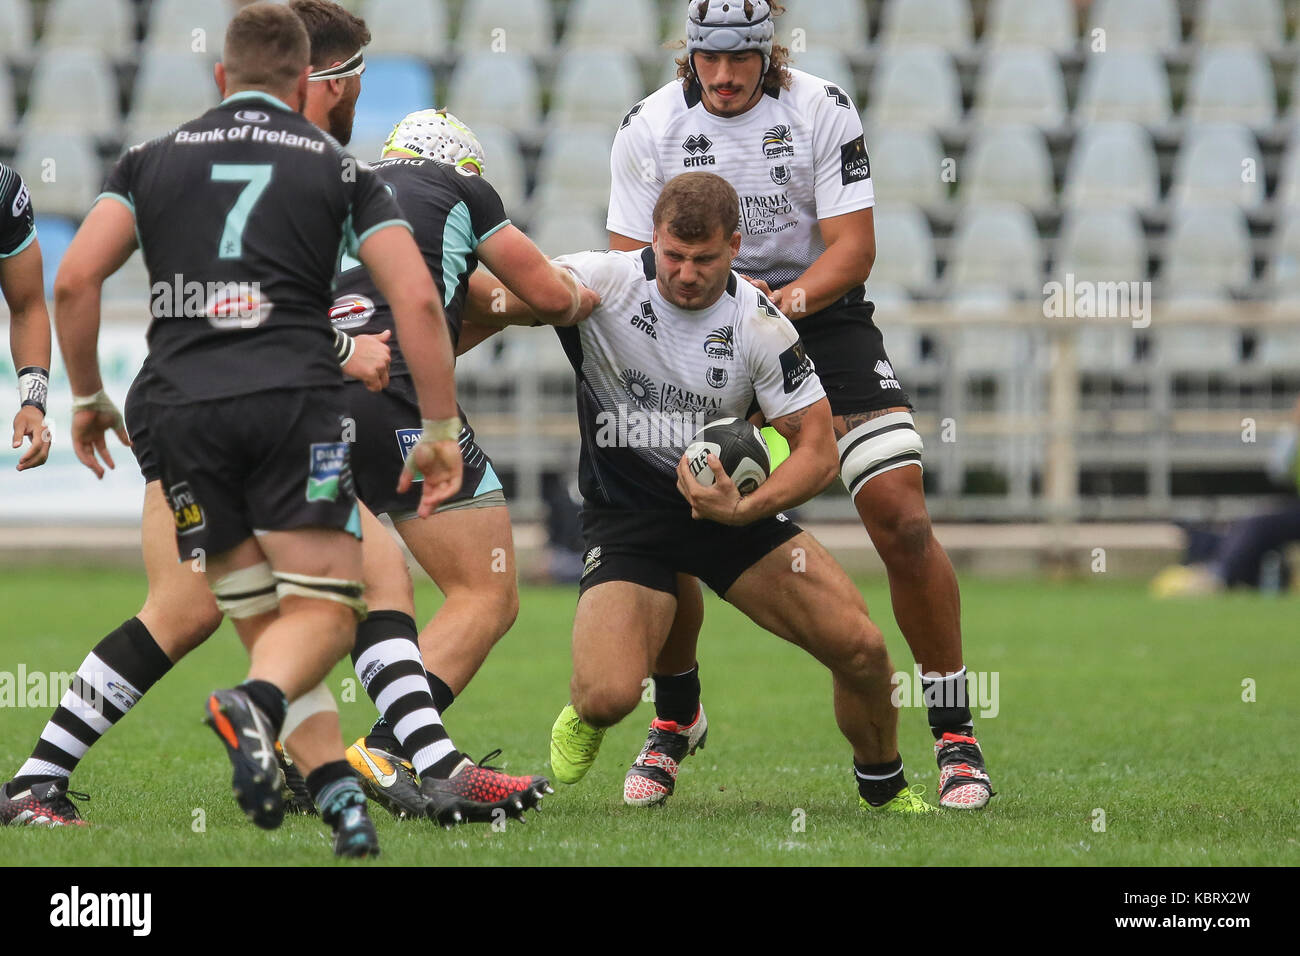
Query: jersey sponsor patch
780, 175
326, 467
351, 311
778, 141
252, 116
764, 215
698, 145
717, 377
408, 438
647, 320
855, 165
796, 366
21, 200
186, 511
721, 343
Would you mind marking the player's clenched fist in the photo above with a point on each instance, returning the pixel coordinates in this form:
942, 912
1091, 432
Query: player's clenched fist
440, 464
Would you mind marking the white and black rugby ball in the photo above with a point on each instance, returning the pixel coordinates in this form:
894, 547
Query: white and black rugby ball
739, 447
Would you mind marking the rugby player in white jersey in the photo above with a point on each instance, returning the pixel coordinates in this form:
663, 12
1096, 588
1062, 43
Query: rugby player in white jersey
792, 144
679, 340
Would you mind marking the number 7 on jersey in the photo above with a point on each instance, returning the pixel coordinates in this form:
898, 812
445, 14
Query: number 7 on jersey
258, 177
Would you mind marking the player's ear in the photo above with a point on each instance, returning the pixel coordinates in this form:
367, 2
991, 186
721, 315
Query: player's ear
219, 75
303, 86
735, 244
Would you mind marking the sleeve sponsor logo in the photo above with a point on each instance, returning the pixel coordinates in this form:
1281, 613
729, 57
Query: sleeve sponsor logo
21, 200
326, 470
186, 511
796, 367
855, 165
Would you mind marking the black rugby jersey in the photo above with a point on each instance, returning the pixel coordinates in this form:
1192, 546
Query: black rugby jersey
241, 214
17, 220
451, 213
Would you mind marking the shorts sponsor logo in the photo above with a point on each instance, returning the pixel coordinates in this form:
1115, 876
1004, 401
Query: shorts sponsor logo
778, 141
886, 373
647, 320
252, 116
721, 343
780, 175
698, 146
186, 511
640, 388
327, 465
20, 201
408, 438
855, 164
796, 366
764, 215
717, 377
592, 561
351, 311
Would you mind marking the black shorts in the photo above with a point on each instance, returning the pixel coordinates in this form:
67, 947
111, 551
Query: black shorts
139, 433
650, 547
387, 426
849, 353
271, 461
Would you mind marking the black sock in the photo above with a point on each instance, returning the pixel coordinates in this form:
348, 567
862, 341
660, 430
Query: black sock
387, 661
946, 704
878, 783
677, 696
269, 699
381, 737
331, 786
442, 695
110, 681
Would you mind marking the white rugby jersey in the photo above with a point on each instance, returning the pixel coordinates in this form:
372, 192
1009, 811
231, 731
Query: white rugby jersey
651, 374
795, 157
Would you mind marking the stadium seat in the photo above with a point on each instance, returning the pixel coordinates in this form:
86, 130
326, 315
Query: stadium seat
8, 114
634, 30
904, 249
1124, 85
61, 169
1112, 164
15, 30
104, 25
1008, 162
1284, 266
406, 27
890, 297
504, 166
1213, 166
574, 168
1278, 347
561, 229
1231, 85
498, 88
1136, 24
576, 99
506, 26
1288, 185
1021, 86
54, 233
828, 64
840, 25
189, 26
170, 89
906, 165
1208, 250
1101, 245
1257, 23
393, 87
915, 86
943, 23
1195, 346
996, 243
73, 89
1031, 23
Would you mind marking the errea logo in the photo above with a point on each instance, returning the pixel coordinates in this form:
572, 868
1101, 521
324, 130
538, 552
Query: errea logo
886, 373
698, 145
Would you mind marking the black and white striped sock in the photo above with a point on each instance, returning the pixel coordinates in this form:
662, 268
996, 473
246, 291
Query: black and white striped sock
111, 680
387, 661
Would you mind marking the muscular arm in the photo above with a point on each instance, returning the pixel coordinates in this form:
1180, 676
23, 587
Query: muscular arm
850, 253
813, 464
624, 243
23, 288
549, 292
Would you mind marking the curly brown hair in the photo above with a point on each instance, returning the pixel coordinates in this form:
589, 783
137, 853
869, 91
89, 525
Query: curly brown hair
777, 76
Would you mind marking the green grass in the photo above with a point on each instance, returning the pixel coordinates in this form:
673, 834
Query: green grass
1107, 700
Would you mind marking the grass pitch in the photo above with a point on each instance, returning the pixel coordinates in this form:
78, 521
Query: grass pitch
1112, 710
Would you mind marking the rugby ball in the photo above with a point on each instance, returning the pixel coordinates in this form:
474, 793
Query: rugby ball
739, 447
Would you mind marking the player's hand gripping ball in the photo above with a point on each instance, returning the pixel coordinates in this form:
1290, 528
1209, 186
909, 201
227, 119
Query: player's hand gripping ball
739, 448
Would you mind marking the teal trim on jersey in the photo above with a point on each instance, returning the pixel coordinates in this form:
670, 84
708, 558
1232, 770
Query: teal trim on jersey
457, 242
31, 237
491, 232
381, 225
490, 482
258, 95
353, 527
124, 200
